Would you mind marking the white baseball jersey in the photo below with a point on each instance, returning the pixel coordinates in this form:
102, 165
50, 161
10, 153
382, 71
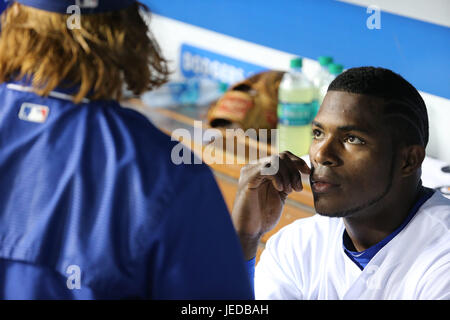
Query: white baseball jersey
306, 260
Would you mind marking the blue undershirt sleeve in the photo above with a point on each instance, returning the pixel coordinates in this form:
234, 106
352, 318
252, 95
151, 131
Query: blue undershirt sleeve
251, 272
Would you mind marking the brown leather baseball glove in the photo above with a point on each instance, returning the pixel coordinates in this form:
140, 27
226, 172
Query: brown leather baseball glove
251, 103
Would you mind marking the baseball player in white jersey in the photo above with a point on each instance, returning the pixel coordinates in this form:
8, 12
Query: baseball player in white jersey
378, 232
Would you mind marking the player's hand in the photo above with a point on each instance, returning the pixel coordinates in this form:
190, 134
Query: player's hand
261, 196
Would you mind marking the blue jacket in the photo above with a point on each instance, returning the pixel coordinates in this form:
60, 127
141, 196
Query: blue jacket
2, 6
92, 207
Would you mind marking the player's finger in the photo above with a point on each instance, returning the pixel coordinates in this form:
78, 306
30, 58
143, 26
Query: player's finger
281, 171
276, 179
270, 170
299, 163
294, 174
277, 182
285, 174
252, 176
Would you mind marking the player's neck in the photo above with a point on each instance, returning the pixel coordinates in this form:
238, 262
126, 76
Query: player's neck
369, 227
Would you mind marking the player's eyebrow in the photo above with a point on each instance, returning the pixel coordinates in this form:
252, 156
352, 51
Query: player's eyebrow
354, 128
317, 124
345, 128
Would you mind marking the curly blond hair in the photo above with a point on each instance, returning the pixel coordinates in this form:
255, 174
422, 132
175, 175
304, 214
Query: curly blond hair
109, 50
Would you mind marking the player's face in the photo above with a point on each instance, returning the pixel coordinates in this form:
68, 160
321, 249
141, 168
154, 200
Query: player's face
351, 155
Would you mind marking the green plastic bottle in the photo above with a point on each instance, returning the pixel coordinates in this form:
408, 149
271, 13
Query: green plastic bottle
297, 105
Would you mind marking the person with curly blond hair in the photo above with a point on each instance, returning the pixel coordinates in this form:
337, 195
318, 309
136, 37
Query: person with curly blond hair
91, 205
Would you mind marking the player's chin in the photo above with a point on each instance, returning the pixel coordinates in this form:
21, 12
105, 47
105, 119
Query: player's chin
329, 207
331, 214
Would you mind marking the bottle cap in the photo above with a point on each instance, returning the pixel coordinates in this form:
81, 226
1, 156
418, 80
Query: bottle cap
325, 60
335, 68
296, 63
223, 87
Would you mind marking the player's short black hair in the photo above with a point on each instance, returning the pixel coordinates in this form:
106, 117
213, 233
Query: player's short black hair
402, 100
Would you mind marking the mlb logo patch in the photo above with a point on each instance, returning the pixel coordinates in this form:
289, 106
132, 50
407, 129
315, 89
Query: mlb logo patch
33, 112
87, 3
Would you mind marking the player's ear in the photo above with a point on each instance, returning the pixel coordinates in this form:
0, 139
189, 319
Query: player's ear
412, 158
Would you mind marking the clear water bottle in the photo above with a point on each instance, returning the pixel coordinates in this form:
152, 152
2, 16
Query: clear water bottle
334, 69
297, 105
321, 75
322, 71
